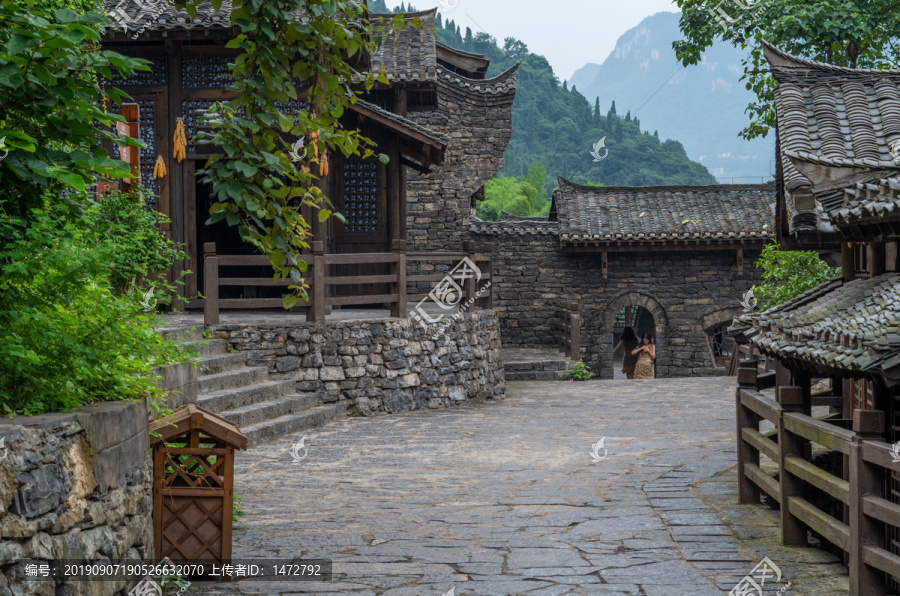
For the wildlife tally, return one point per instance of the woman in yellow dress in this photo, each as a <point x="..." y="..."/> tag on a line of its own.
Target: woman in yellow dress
<point x="646" y="354"/>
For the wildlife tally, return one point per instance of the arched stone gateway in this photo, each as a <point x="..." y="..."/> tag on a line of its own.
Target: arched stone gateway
<point x="598" y="326"/>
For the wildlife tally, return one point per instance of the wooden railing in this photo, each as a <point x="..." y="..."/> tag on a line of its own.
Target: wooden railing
<point x="570" y="331"/>
<point x="861" y="531"/>
<point x="319" y="278"/>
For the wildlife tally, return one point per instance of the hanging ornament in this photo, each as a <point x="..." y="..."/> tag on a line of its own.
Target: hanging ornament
<point x="323" y="165"/>
<point x="159" y="170"/>
<point x="179" y="139"/>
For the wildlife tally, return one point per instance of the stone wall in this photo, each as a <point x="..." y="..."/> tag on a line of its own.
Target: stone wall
<point x="385" y="365"/>
<point x="687" y="292"/>
<point x="477" y="116"/>
<point x="74" y="486"/>
<point x="180" y="381"/>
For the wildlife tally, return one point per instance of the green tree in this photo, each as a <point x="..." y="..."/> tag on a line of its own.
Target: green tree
<point x="841" y="32"/>
<point x="788" y="273"/>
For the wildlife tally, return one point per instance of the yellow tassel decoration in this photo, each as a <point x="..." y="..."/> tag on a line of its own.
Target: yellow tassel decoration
<point x="323" y="165"/>
<point x="159" y="170"/>
<point x="180" y="140"/>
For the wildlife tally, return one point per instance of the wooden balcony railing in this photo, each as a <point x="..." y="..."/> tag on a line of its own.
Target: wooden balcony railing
<point x="869" y="512"/>
<point x="570" y="331"/>
<point x="322" y="276"/>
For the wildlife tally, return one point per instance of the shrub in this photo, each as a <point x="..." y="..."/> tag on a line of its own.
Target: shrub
<point x="579" y="372"/>
<point x="72" y="330"/>
<point x="789" y="273"/>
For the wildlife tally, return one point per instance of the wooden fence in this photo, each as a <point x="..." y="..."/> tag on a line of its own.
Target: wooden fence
<point x="320" y="277"/>
<point x="869" y="462"/>
<point x="570" y="331"/>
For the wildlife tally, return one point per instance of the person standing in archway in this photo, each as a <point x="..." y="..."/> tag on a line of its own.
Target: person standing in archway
<point x="646" y="354"/>
<point x="628" y="342"/>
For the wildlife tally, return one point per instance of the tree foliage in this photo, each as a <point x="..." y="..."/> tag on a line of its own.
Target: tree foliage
<point x="51" y="104"/>
<point x="521" y="195"/>
<point x="254" y="180"/>
<point x="789" y="273"/>
<point x="842" y="32"/>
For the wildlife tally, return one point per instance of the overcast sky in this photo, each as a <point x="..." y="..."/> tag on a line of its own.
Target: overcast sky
<point x="569" y="33"/>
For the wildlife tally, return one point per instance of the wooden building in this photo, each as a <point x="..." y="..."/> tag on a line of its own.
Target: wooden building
<point x="189" y="73"/>
<point x="838" y="476"/>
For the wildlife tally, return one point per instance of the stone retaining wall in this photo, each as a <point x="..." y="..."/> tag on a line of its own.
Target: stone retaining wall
<point x="74" y="486"/>
<point x="687" y="292"/>
<point x="385" y="365"/>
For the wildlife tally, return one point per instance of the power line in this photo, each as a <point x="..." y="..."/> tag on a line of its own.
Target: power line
<point x="680" y="68"/>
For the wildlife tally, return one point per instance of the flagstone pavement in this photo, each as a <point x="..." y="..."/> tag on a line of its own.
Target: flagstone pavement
<point x="505" y="498"/>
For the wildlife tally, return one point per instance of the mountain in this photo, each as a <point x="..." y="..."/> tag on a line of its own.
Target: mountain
<point x="558" y="127"/>
<point x="702" y="106"/>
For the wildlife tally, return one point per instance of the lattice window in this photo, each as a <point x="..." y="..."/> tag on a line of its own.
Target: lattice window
<point x="148" y="154"/>
<point x="206" y="71"/>
<point x="721" y="343"/>
<point x="155" y="76"/>
<point x="361" y="196"/>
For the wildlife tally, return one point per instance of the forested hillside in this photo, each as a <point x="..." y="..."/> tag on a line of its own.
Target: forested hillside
<point x="558" y="127"/>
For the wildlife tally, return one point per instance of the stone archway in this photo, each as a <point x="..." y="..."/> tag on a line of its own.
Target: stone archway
<point x="597" y="333"/>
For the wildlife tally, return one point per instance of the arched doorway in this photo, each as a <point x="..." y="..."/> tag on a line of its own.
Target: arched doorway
<point x="633" y="316"/>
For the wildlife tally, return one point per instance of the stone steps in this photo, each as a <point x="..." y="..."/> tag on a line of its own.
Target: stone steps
<point x="551" y="369"/>
<point x="229" y="399"/>
<point x="292" y="423"/>
<point x="262" y="407"/>
<point x="269" y="410"/>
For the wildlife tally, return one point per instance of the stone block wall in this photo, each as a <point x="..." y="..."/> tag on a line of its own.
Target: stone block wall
<point x="180" y="381"/>
<point x="477" y="116"/>
<point x="74" y="486"/>
<point x="385" y="365"/>
<point x="687" y="292"/>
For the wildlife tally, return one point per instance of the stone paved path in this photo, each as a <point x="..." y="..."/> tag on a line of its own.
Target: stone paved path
<point x="504" y="498"/>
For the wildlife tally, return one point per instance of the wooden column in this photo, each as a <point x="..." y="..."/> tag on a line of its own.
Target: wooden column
<point x="604" y="264"/>
<point x="210" y="284"/>
<point x="748" y="492"/>
<point x="877" y="258"/>
<point x="848" y="268"/>
<point x="740" y="262"/>
<point x="398" y="309"/>
<point x="866" y="480"/>
<point x="393" y="191"/>
<point x="793" y="531"/>
<point x="316" y="310"/>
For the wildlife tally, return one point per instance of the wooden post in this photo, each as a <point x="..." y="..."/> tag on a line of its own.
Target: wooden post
<point x="210" y="284"/>
<point x="878" y="260"/>
<point x="469" y="287"/>
<point x="604" y="264"/>
<point x="316" y="310"/>
<point x="748" y="492"/>
<point x="848" y="266"/>
<point x="793" y="532"/>
<point x="740" y="262"/>
<point x="866" y="480"/>
<point x="747" y="373"/>
<point x="132" y="155"/>
<point x="398" y="308"/>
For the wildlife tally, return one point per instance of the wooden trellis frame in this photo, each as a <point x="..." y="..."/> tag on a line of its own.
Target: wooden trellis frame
<point x="193" y="485"/>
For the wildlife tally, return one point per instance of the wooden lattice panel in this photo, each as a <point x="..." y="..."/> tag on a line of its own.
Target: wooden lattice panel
<point x="193" y="527"/>
<point x="361" y="196"/>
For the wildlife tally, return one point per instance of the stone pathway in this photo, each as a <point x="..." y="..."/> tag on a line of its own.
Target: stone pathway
<point x="505" y="498"/>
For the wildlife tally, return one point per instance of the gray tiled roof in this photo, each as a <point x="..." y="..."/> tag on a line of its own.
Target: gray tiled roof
<point x="851" y="327"/>
<point x="513" y="224"/>
<point x="503" y="83"/>
<point x="658" y="213"/>
<point x="877" y="199"/>
<point x="411" y="54"/>
<point x="832" y="122"/>
<point x="161" y="15"/>
<point x="405" y="122"/>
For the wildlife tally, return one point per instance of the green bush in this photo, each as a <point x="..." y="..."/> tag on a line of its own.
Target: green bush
<point x="789" y="273"/>
<point x="579" y="372"/>
<point x="73" y="326"/>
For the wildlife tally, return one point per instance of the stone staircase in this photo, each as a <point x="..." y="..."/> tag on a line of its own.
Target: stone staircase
<point x="262" y="408"/>
<point x="534" y="364"/>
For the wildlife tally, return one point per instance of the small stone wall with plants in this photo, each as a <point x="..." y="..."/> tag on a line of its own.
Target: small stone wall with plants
<point x="380" y="366"/>
<point x="74" y="486"/>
